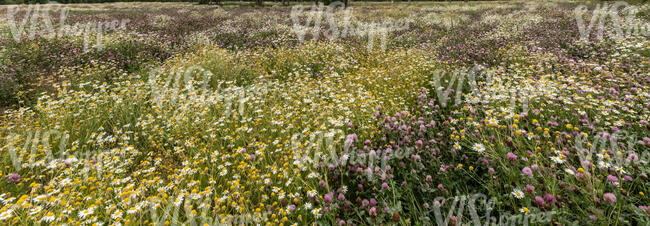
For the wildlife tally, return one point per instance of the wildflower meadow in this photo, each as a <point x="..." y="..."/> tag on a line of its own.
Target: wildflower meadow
<point x="325" y="113"/>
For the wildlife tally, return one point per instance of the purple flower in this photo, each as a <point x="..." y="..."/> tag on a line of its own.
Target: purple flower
<point x="612" y="178"/>
<point x="373" y="201"/>
<point x="540" y="201"/>
<point x="453" y="219"/>
<point x="328" y="197"/>
<point x="352" y="138"/>
<point x="373" y="211"/>
<point x="341" y="197"/>
<point x="530" y="189"/>
<point x="609" y="197"/>
<point x="632" y="158"/>
<point x="13" y="178"/>
<point x="415" y="157"/>
<point x="593" y="217"/>
<point x="511" y="157"/>
<point x="418" y="144"/>
<point x="550" y="199"/>
<point x="527" y="171"/>
<point x="384" y="186"/>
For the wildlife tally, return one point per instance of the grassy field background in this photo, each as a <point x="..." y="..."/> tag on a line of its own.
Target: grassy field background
<point x="141" y="113"/>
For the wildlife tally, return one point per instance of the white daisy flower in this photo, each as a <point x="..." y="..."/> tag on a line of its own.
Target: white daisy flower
<point x="133" y="210"/>
<point x="35" y="210"/>
<point x="65" y="182"/>
<point x="478" y="148"/>
<point x="523" y="210"/>
<point x="602" y="164"/>
<point x="49" y="217"/>
<point x="517" y="194"/>
<point x="117" y="214"/>
<point x="569" y="171"/>
<point x="557" y="159"/>
<point x="40" y="198"/>
<point x="316" y="212"/>
<point x="620" y="170"/>
<point x="5" y="215"/>
<point x="86" y="212"/>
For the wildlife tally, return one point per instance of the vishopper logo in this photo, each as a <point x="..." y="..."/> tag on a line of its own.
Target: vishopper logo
<point x="319" y="17"/>
<point x="616" y="20"/>
<point x="479" y="215"/>
<point x="180" y="86"/>
<point x="319" y="144"/>
<point x="35" y="143"/>
<point x="469" y="78"/>
<point x="320" y="149"/>
<point x="181" y="209"/>
<point x="615" y="150"/>
<point x="40" y="22"/>
<point x="48" y="150"/>
<point x="457" y="77"/>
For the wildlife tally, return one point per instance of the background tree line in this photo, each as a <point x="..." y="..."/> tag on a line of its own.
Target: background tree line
<point x="259" y="2"/>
